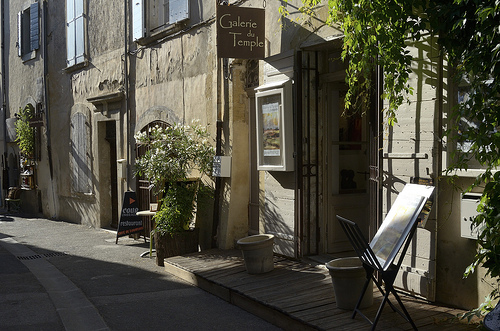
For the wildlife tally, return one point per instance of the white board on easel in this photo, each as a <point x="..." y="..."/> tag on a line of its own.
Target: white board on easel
<point x="398" y="223"/>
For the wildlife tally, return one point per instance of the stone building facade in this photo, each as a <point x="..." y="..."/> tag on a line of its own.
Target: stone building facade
<point x="96" y="72"/>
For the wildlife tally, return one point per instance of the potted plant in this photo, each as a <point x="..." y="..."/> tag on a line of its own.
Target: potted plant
<point x="25" y="138"/>
<point x="176" y="160"/>
<point x="24" y="132"/>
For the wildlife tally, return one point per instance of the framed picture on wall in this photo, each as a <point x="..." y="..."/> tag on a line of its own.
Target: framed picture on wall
<point x="274" y="126"/>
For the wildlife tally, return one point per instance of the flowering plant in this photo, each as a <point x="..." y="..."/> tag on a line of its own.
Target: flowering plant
<point x="174" y="156"/>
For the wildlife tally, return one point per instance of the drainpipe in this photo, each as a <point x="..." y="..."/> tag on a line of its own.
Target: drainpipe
<point x="4" y="97"/>
<point x="439" y="144"/>
<point x="218" y="138"/>
<point x="299" y="185"/>
<point x="45" y="85"/>
<point x="218" y="151"/>
<point x="46" y="105"/>
<point x="125" y="73"/>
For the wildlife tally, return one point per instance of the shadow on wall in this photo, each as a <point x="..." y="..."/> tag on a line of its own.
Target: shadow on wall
<point x="204" y="215"/>
<point x="279" y="213"/>
<point x="79" y="209"/>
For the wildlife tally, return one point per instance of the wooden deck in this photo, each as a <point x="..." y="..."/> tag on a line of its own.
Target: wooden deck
<point x="297" y="295"/>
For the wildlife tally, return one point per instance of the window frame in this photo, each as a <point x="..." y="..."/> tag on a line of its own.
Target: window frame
<point x="459" y="93"/>
<point x="143" y="29"/>
<point x="76" y="22"/>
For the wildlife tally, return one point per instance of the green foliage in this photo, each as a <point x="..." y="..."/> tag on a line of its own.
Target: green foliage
<point x="378" y="32"/>
<point x="177" y="208"/>
<point x="375" y="33"/>
<point x="470" y="33"/>
<point x="477" y="313"/>
<point x="173" y="156"/>
<point x="25" y="134"/>
<point x="488" y="221"/>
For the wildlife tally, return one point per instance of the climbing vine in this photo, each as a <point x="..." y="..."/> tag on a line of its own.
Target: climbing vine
<point x="468" y="32"/>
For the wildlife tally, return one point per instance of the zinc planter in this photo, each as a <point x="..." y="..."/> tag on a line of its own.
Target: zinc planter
<point x="257" y="253"/>
<point x="348" y="278"/>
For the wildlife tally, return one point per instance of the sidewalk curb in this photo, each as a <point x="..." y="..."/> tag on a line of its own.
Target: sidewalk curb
<point x="73" y="307"/>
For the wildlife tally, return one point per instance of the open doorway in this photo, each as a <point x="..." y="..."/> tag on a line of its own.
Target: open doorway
<point x="347" y="173"/>
<point x="338" y="168"/>
<point x="108" y="177"/>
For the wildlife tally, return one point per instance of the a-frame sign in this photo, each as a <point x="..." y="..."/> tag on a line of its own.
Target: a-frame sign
<point x="129" y="221"/>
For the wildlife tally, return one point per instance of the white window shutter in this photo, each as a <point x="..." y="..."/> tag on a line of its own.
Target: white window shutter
<point x="137" y="19"/>
<point x="34" y="28"/>
<point x="70" y="43"/>
<point x="75" y="32"/>
<point x="19" y="34"/>
<point x="70" y="33"/>
<point x="80" y="153"/>
<point x="79" y="31"/>
<point x="179" y="10"/>
<point x="79" y="39"/>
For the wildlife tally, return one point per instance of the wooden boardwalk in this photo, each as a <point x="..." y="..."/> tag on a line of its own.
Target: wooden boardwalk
<point x="298" y="296"/>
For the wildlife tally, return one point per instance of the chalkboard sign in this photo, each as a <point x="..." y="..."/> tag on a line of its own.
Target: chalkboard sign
<point x="129" y="221"/>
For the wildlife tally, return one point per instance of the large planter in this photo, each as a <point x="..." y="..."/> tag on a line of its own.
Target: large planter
<point x="348" y="278"/>
<point x="177" y="244"/>
<point x="257" y="253"/>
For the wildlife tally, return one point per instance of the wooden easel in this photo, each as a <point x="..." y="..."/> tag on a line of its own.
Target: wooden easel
<point x="380" y="255"/>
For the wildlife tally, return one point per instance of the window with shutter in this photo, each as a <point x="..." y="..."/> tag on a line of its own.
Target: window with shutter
<point x="152" y="17"/>
<point x="75" y="32"/>
<point x="80" y="153"/>
<point x="28" y="32"/>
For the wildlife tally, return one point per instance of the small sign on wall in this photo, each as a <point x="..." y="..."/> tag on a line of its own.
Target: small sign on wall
<point x="221" y="166"/>
<point x="240" y="32"/>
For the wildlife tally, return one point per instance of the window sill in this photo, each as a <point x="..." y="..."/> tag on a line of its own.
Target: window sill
<point x="28" y="56"/>
<point x="171" y="29"/>
<point x="76" y="67"/>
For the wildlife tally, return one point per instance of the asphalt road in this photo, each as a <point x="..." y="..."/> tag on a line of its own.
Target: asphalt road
<point x="61" y="276"/>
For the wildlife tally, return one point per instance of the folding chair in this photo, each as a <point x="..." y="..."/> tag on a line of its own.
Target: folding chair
<point x="380" y="254"/>
<point x="13" y="199"/>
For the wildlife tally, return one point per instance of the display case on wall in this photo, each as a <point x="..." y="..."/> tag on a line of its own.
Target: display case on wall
<point x="275" y="126"/>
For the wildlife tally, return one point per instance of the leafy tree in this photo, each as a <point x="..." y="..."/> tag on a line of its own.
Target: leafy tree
<point x="468" y="31"/>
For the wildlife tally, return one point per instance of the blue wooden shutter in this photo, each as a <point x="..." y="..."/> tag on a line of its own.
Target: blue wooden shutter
<point x="179" y="10"/>
<point x="137" y="19"/>
<point x="34" y="28"/>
